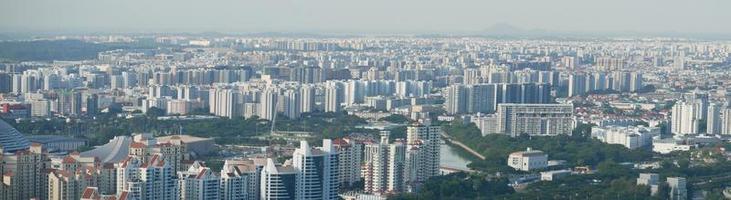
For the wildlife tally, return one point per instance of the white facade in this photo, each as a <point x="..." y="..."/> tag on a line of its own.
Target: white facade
<point x="528" y="160"/>
<point x="535" y="119"/>
<point x="268" y="104"/>
<point x="685" y="119"/>
<point x="422" y="154"/>
<point x="334" y="96"/>
<point x="631" y="137"/>
<point x="665" y="146"/>
<point x="154" y="179"/>
<point x="350" y="158"/>
<point x="384" y="166"/>
<point x="199" y="182"/>
<point x="291" y="104"/>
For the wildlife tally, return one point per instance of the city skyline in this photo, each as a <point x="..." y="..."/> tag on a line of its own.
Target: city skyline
<point x="364" y="100"/>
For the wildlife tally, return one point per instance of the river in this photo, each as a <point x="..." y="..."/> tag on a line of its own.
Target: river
<point x="450" y="157"/>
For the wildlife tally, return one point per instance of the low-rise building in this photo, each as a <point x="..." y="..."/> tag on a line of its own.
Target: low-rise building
<point x="631" y="137"/>
<point x="667" y="145"/>
<point x="555" y="174"/>
<point x="57" y="143"/>
<point x="528" y="160"/>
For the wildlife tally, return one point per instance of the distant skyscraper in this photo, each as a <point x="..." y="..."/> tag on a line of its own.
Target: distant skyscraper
<point x="27" y="83"/>
<point x="291" y="100"/>
<point x="51" y="82"/>
<point x="116" y="82"/>
<point x="334" y="96"/>
<point x="225" y="102"/>
<point x="307" y="93"/>
<point x="471" y="76"/>
<point x="268" y="104"/>
<point x="700" y="100"/>
<point x="16" y="82"/>
<point x="726" y="124"/>
<point x="636" y="83"/>
<point x="577" y="84"/>
<point x="355" y="92"/>
<point x="481" y="98"/>
<point x="685" y="118"/>
<point x="456" y="99"/>
<point x="92" y="104"/>
<point x="6" y="82"/>
<point x="713" y="121"/>
<point x="129" y="79"/>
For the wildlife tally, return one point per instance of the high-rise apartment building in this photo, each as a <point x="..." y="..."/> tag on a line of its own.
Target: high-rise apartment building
<point x="713" y="119"/>
<point x="292" y="103"/>
<point x="268" y="104"/>
<point x="240" y="179"/>
<point x="24" y="174"/>
<point x="317" y="169"/>
<point x="350" y="157"/>
<point x="534" y="119"/>
<point x="334" y="96"/>
<point x="67" y="185"/>
<point x="199" y="182"/>
<point x="384" y="168"/>
<point x="278" y="182"/>
<point x="422" y="154"/>
<point x="150" y="179"/>
<point x="685" y="118"/>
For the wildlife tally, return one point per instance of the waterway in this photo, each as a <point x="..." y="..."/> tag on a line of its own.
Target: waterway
<point x="450" y="157"/>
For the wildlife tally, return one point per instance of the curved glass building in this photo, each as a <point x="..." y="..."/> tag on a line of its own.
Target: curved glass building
<point x="11" y="139"/>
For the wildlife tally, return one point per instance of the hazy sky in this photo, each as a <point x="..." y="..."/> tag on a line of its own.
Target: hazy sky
<point x="371" y="16"/>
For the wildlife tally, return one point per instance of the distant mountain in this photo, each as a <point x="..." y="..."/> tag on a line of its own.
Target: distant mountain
<point x="503" y="29"/>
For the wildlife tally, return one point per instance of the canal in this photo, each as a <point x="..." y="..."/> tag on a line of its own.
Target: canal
<point x="451" y="157"/>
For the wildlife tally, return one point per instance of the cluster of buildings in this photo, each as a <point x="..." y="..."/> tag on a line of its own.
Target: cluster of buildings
<point x="401" y="165"/>
<point x="696" y="108"/>
<point x="145" y="167"/>
<point x="619" y="81"/>
<point x="636" y="91"/>
<point x="530" y="119"/>
<point x="632" y="137"/>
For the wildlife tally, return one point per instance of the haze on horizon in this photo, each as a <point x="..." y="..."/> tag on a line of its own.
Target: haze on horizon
<point x="372" y="16"/>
